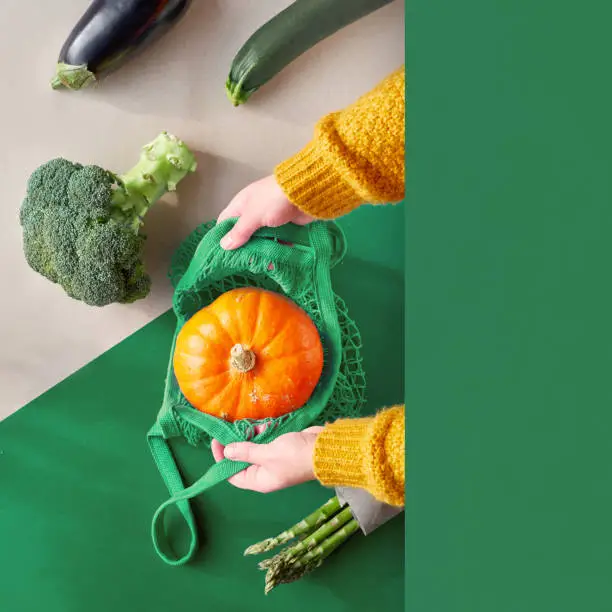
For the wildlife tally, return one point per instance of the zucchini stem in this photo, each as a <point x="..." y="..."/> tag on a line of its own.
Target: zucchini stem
<point x="236" y="93"/>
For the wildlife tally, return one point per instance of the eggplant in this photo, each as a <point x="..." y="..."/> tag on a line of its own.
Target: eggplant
<point x="109" y="33"/>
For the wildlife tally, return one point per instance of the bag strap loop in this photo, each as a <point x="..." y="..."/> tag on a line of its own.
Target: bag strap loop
<point x="180" y="496"/>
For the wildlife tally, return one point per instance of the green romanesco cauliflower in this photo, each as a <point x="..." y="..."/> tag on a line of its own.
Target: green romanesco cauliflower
<point x="82" y="224"/>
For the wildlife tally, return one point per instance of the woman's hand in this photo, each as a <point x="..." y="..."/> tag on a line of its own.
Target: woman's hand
<point x="261" y="204"/>
<point x="284" y="462"/>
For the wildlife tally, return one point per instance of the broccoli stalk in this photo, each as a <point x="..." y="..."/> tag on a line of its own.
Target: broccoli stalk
<point x="162" y="164"/>
<point x="82" y="224"/>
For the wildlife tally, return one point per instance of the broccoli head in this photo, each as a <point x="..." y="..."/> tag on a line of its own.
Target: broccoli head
<point x="82" y="224"/>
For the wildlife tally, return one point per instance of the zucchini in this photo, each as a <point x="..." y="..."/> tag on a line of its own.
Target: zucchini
<point x="287" y="36"/>
<point x="108" y="33"/>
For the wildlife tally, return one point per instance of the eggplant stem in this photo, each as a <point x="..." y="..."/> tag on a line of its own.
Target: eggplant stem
<point x="72" y="77"/>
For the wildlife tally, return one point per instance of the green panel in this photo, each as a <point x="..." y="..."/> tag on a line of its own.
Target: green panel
<point x="78" y="486"/>
<point x="509" y="248"/>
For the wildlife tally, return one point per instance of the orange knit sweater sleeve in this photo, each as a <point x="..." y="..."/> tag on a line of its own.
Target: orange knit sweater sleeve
<point x="356" y="156"/>
<point x="365" y="453"/>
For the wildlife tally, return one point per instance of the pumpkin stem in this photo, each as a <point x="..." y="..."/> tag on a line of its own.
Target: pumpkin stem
<point x="242" y="359"/>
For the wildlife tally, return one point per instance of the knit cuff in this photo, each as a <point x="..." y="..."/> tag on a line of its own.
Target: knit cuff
<point x="315" y="186"/>
<point x="337" y="457"/>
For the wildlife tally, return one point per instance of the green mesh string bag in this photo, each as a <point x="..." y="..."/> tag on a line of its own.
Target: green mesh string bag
<point x="295" y="262"/>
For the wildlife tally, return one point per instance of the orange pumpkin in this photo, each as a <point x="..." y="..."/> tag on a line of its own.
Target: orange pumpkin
<point x="251" y="354"/>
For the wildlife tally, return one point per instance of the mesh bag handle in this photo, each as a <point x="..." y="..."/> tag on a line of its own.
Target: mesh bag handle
<point x="318" y="247"/>
<point x="289" y="235"/>
<point x="300" y="236"/>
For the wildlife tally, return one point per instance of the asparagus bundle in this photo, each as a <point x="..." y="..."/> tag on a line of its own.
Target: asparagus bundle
<point x="311" y="541"/>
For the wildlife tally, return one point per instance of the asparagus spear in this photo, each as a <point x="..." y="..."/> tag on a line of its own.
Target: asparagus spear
<point x="315" y="539"/>
<point x="304" y="527"/>
<point x="318" y="535"/>
<point x="328" y="546"/>
<point x="293" y="569"/>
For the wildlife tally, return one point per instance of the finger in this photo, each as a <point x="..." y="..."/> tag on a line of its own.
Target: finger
<point x="245" y="479"/>
<point x="217" y="450"/>
<point x="241" y="233"/>
<point x="227" y="213"/>
<point x="254" y="478"/>
<point x="249" y="452"/>
<point x="259" y="429"/>
<point x="233" y="209"/>
<point x="303" y="219"/>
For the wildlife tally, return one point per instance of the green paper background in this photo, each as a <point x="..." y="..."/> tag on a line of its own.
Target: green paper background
<point x="78" y="486"/>
<point x="509" y="304"/>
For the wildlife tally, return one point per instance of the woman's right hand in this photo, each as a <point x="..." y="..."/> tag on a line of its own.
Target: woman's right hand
<point x="282" y="463"/>
<point x="261" y="204"/>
